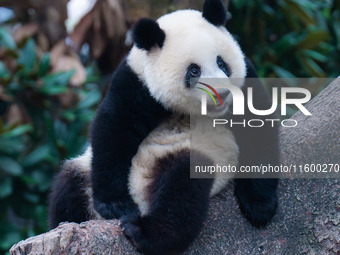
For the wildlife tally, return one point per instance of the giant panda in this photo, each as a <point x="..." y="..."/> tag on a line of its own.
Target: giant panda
<point x="136" y="168"/>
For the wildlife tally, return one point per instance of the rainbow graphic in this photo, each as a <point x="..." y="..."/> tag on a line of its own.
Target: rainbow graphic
<point x="213" y="90"/>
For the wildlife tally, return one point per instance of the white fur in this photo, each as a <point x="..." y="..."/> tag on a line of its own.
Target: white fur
<point x="216" y="143"/>
<point x="169" y="137"/>
<point x="83" y="162"/>
<point x="173" y="135"/>
<point x="189" y="39"/>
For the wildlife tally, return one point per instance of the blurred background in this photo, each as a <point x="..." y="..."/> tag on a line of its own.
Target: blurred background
<point x="57" y="57"/>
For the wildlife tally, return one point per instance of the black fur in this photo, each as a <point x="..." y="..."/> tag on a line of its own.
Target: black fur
<point x="223" y="66"/>
<point x="126" y="116"/>
<point x="68" y="201"/>
<point x="178" y="207"/>
<point x="257" y="197"/>
<point x="147" y="34"/>
<point x="215" y="12"/>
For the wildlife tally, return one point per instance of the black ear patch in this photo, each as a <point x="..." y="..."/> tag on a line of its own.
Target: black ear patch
<point x="215" y="12"/>
<point x="147" y="34"/>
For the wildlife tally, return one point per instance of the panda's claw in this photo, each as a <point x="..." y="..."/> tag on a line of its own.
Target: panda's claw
<point x="115" y="209"/>
<point x="130" y="218"/>
<point x="131" y="226"/>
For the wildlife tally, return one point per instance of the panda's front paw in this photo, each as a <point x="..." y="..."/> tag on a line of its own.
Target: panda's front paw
<point x="115" y="209"/>
<point x="131" y="225"/>
<point x="258" y="208"/>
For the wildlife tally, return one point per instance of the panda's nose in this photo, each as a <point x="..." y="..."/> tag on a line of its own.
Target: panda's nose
<point x="192" y="82"/>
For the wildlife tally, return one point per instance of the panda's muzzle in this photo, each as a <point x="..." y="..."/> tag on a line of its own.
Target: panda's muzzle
<point x="219" y="108"/>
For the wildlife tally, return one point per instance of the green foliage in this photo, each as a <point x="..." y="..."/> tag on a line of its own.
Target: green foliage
<point x="48" y="132"/>
<point x="6" y="40"/>
<point x="289" y="38"/>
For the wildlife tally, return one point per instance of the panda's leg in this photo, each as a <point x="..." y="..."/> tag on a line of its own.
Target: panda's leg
<point x="257" y="199"/>
<point x="178" y="208"/>
<point x="68" y="200"/>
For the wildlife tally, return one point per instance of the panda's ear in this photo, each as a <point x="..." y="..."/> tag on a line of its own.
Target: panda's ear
<point x="215" y="12"/>
<point x="147" y="34"/>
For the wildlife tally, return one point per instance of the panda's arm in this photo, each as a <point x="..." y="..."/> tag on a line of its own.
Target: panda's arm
<point x="126" y="116"/>
<point x="257" y="197"/>
<point x="257" y="145"/>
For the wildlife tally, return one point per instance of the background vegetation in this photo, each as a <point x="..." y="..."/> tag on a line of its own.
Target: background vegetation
<point x="48" y="93"/>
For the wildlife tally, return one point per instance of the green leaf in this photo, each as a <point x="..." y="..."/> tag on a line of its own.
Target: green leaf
<point x="2" y="126"/>
<point x="70" y="115"/>
<point x="59" y="79"/>
<point x="290" y="111"/>
<point x="285" y="43"/>
<point x="6" y="39"/>
<point x="86" y="116"/>
<point x="56" y="83"/>
<point x="303" y="14"/>
<point x="290" y="19"/>
<point x="44" y="65"/>
<point x="314" y="68"/>
<point x="91" y="98"/>
<point x="27" y="56"/>
<point x="315" y="55"/>
<point x="42" y="179"/>
<point x="313" y="39"/>
<point x="91" y="75"/>
<point x="239" y="4"/>
<point x="30" y="197"/>
<point x="337" y="33"/>
<point x="37" y="156"/>
<point x="10" y="166"/>
<point x="17" y="131"/>
<point x="56" y="90"/>
<point x="9" y="239"/>
<point x="283" y="73"/>
<point x="306" y="4"/>
<point x="28" y="180"/>
<point x="4" y="73"/>
<point x="6" y="187"/>
<point x="11" y="146"/>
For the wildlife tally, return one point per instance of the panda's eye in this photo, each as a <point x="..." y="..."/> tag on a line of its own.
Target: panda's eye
<point x="220" y="63"/>
<point x="193" y="73"/>
<point x="223" y="66"/>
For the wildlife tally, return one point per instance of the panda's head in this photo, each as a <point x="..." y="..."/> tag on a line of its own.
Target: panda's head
<point x="171" y="54"/>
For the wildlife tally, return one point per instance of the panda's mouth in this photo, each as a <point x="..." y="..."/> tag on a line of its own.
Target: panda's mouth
<point x="212" y="108"/>
<point x="219" y="99"/>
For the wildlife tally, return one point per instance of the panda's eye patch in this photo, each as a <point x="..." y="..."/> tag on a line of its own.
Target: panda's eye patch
<point x="194" y="71"/>
<point x="223" y="66"/>
<point x="220" y="62"/>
